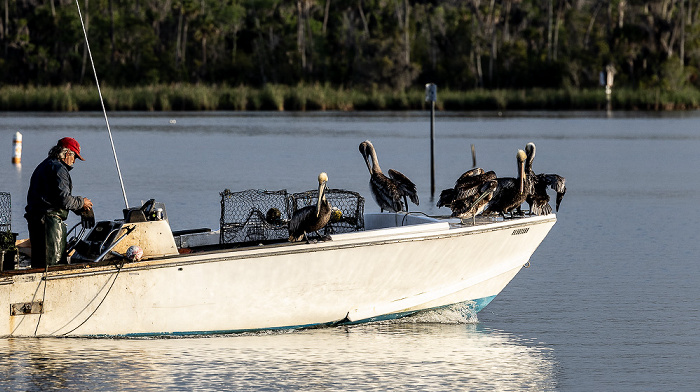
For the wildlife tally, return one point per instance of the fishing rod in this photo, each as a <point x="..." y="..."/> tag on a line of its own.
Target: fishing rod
<point x="114" y="151"/>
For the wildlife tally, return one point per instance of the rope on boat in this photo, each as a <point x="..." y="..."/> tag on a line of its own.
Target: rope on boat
<point x="119" y="269"/>
<point x="43" y="300"/>
<point x="116" y="275"/>
<point x="109" y="131"/>
<point x="43" y="296"/>
<point x="33" y="298"/>
<point x="416" y="213"/>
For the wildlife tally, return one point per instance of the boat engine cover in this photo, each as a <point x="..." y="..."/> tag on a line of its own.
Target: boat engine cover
<point x="154" y="237"/>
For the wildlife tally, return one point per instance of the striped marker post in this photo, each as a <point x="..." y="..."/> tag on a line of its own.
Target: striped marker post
<point x="17" y="144"/>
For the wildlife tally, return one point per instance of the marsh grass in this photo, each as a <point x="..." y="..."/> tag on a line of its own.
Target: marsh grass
<point x="195" y="97"/>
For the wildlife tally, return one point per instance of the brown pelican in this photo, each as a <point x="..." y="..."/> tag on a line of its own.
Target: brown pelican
<point x="472" y="191"/>
<point x="311" y="218"/>
<point x="510" y="193"/>
<point x="387" y="191"/>
<point x="538" y="199"/>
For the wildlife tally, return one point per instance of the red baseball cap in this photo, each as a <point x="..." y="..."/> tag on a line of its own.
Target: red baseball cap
<point x="71" y="144"/>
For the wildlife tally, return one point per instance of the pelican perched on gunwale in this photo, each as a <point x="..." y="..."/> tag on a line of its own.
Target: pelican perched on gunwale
<point x="510" y="192"/>
<point x="311" y="218"/>
<point x="538" y="199"/>
<point x="389" y="191"/>
<point x="471" y="193"/>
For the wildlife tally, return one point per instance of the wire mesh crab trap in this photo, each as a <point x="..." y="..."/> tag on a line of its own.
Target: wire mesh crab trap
<point x="347" y="207"/>
<point x="5" y="212"/>
<point x="253" y="215"/>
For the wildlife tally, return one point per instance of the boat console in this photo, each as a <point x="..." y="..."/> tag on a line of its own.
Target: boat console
<point x="146" y="227"/>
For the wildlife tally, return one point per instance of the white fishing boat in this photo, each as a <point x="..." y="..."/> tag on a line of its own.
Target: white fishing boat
<point x="187" y="283"/>
<point x="245" y="276"/>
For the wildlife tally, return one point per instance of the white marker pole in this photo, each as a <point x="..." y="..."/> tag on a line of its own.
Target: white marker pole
<point x="17" y="144"/>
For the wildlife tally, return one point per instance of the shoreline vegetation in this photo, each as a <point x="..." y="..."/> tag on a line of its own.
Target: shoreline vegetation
<point x="184" y="97"/>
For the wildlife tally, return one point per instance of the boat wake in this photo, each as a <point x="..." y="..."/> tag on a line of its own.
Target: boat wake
<point x="461" y="313"/>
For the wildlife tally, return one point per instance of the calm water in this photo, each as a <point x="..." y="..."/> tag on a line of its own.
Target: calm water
<point x="611" y="301"/>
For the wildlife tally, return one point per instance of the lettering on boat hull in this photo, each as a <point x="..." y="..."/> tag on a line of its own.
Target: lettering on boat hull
<point x="520" y="231"/>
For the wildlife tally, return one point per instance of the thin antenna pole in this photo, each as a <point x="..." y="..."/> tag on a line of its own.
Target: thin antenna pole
<point x="432" y="148"/>
<point x="111" y="141"/>
<point x="431" y="96"/>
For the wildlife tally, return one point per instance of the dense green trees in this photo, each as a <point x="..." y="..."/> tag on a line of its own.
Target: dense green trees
<point x="460" y="44"/>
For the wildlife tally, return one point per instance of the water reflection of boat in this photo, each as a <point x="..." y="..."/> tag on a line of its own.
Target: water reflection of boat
<point x="188" y="282"/>
<point x="377" y="356"/>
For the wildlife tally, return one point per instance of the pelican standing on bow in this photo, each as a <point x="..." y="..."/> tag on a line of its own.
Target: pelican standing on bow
<point x="538" y="199"/>
<point x="389" y="191"/>
<point x="510" y="192"/>
<point x="471" y="193"/>
<point x="311" y="218"/>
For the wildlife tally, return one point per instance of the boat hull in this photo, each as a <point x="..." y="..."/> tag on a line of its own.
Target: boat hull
<point x="356" y="277"/>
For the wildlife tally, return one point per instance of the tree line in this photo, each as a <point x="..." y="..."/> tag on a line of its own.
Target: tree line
<point x="394" y="44"/>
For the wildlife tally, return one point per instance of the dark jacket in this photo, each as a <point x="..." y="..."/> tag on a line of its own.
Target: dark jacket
<point x="50" y="188"/>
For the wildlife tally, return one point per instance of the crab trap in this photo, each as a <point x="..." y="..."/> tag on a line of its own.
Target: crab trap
<point x="5" y="212"/>
<point x="347" y="209"/>
<point x="253" y="215"/>
<point x="263" y="216"/>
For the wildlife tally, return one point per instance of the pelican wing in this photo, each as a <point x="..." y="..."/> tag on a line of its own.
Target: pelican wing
<point x="305" y="220"/>
<point x="466" y="192"/>
<point x="468" y="186"/>
<point x="474" y="205"/>
<point x="405" y="186"/>
<point x="537" y="197"/>
<point x="556" y="183"/>
<point x="386" y="193"/>
<point x="506" y="196"/>
<point x="447" y="196"/>
<point x="300" y="221"/>
<point x="540" y="206"/>
<point x="470" y="174"/>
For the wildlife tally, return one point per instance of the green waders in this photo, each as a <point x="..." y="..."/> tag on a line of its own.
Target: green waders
<point x="48" y="238"/>
<point x="55" y="236"/>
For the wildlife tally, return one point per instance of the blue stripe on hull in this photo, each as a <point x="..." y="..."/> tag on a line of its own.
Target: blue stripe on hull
<point x="472" y="305"/>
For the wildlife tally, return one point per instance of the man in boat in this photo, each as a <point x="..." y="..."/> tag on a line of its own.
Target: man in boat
<point x="48" y="201"/>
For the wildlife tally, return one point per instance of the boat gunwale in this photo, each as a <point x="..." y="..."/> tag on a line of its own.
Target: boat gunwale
<point x="250" y="252"/>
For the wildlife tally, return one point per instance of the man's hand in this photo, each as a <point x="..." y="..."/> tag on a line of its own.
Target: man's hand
<point x="87" y="204"/>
